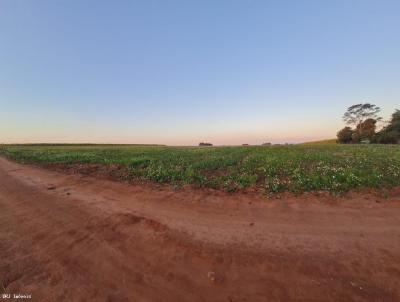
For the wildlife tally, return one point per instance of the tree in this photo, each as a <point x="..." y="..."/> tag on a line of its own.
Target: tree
<point x="355" y="137"/>
<point x="386" y="137"/>
<point x="366" y="130"/>
<point x="394" y="123"/>
<point x="357" y="114"/>
<point x="391" y="133"/>
<point x="345" y="135"/>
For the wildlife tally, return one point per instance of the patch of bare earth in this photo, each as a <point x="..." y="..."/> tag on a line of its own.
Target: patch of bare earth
<point x="71" y="237"/>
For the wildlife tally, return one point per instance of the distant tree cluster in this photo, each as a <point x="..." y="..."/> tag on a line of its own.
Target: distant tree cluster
<point x="390" y="134"/>
<point x="364" y="118"/>
<point x="205" y="144"/>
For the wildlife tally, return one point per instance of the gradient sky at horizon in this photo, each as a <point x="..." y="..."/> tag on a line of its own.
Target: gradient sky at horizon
<point x="180" y="72"/>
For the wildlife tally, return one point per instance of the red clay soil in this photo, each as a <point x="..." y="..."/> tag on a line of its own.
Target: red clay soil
<point x="79" y="238"/>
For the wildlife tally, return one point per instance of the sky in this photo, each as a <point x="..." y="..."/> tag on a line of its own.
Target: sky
<point x="180" y="72"/>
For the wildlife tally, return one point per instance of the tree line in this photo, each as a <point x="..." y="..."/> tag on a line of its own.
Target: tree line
<point x="364" y="118"/>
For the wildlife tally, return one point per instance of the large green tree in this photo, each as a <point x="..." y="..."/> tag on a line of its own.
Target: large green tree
<point x="394" y="123"/>
<point x="364" y="118"/>
<point x="391" y="133"/>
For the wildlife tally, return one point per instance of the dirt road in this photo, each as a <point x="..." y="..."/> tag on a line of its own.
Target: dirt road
<point x="77" y="238"/>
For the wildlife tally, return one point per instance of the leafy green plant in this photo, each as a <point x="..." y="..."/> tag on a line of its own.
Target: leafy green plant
<point x="296" y="168"/>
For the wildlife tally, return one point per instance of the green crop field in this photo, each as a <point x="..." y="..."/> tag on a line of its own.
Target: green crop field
<point x="294" y="168"/>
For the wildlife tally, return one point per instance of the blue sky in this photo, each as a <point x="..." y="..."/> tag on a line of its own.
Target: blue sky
<point x="180" y="72"/>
